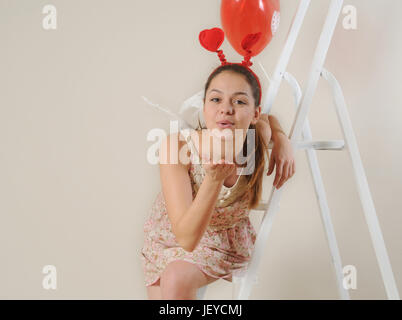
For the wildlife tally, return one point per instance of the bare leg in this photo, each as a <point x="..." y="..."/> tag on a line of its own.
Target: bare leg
<point x="181" y="279"/>
<point x="154" y="291"/>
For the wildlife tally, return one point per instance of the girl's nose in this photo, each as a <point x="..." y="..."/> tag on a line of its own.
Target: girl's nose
<point x="227" y="108"/>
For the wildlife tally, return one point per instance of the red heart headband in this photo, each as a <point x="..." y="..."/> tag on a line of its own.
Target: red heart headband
<point x="212" y="39"/>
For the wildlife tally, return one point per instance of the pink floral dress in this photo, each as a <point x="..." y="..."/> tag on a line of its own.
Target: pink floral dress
<point x="227" y="243"/>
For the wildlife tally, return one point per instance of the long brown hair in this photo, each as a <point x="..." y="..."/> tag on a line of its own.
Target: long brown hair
<point x="254" y="181"/>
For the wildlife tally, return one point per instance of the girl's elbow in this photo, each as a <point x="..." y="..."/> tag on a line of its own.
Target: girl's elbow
<point x="189" y="247"/>
<point x="184" y="242"/>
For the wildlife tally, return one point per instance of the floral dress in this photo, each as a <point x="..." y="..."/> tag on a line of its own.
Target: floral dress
<point x="227" y="243"/>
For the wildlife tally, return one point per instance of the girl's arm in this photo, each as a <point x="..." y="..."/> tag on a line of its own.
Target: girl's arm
<point x="275" y="128"/>
<point x="264" y="127"/>
<point x="189" y="218"/>
<point x="282" y="154"/>
<point x="193" y="223"/>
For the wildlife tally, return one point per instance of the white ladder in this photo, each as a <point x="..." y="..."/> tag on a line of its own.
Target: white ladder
<point x="301" y="126"/>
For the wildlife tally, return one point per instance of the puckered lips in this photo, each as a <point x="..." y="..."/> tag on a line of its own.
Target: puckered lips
<point x="225" y="124"/>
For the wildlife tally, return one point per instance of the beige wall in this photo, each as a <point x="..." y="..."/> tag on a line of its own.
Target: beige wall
<point x="75" y="184"/>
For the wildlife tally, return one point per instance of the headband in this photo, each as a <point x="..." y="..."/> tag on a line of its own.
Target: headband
<point x="212" y="39"/>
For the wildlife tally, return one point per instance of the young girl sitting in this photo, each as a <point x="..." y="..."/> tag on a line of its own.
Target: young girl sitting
<point x="198" y="229"/>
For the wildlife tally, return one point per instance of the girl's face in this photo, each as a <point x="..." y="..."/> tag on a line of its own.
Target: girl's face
<point x="229" y="98"/>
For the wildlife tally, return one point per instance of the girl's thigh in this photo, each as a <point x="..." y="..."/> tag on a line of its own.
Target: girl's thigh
<point x="182" y="270"/>
<point x="154" y="291"/>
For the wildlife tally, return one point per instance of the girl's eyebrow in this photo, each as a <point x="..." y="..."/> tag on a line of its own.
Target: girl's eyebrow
<point x="238" y="92"/>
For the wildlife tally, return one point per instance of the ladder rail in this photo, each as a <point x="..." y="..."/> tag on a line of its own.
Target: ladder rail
<point x="322" y="199"/>
<point x="363" y="188"/>
<point x="274" y="198"/>
<point x="285" y="55"/>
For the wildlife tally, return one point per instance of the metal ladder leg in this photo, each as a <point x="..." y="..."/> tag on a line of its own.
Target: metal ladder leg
<point x="201" y="292"/>
<point x="321" y="196"/>
<point x="363" y="188"/>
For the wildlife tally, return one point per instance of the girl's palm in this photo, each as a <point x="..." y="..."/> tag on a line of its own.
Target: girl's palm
<point x="218" y="171"/>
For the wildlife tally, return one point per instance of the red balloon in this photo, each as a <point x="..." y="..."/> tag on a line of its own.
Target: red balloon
<point x="249" y="25"/>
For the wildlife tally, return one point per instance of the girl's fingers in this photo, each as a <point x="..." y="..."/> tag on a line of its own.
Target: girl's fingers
<point x="285" y="175"/>
<point x="278" y="185"/>
<point x="278" y="172"/>
<point x="292" y="171"/>
<point x="205" y="159"/>
<point x="271" y="164"/>
<point x="288" y="174"/>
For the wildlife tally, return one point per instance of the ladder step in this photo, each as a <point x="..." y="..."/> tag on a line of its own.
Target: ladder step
<point x="322" y="145"/>
<point x="318" y="145"/>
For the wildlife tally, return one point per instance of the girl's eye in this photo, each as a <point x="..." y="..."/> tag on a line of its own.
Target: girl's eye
<point x="241" y="102"/>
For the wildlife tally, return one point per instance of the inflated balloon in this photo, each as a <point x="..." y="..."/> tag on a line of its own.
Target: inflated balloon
<point x="249" y="25"/>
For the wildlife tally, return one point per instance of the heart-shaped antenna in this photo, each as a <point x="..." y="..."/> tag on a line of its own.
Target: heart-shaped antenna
<point x="212" y="39"/>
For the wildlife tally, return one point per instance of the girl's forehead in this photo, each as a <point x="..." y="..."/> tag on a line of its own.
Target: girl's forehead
<point x="229" y="82"/>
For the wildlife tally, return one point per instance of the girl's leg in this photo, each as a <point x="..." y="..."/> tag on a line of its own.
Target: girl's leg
<point x="154" y="291"/>
<point x="181" y="280"/>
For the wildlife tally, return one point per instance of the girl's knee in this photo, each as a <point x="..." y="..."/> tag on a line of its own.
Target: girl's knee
<point x="154" y="290"/>
<point x="179" y="280"/>
<point x="178" y="273"/>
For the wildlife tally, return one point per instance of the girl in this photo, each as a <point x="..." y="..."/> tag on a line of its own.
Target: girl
<point x="198" y="230"/>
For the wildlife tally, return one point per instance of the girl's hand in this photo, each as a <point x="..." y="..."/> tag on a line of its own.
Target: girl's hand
<point x="282" y="157"/>
<point x="218" y="171"/>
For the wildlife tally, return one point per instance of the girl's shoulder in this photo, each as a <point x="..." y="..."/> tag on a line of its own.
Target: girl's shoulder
<point x="174" y="145"/>
<point x="187" y="142"/>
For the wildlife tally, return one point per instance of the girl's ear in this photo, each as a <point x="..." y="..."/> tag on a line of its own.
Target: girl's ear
<point x="257" y="113"/>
